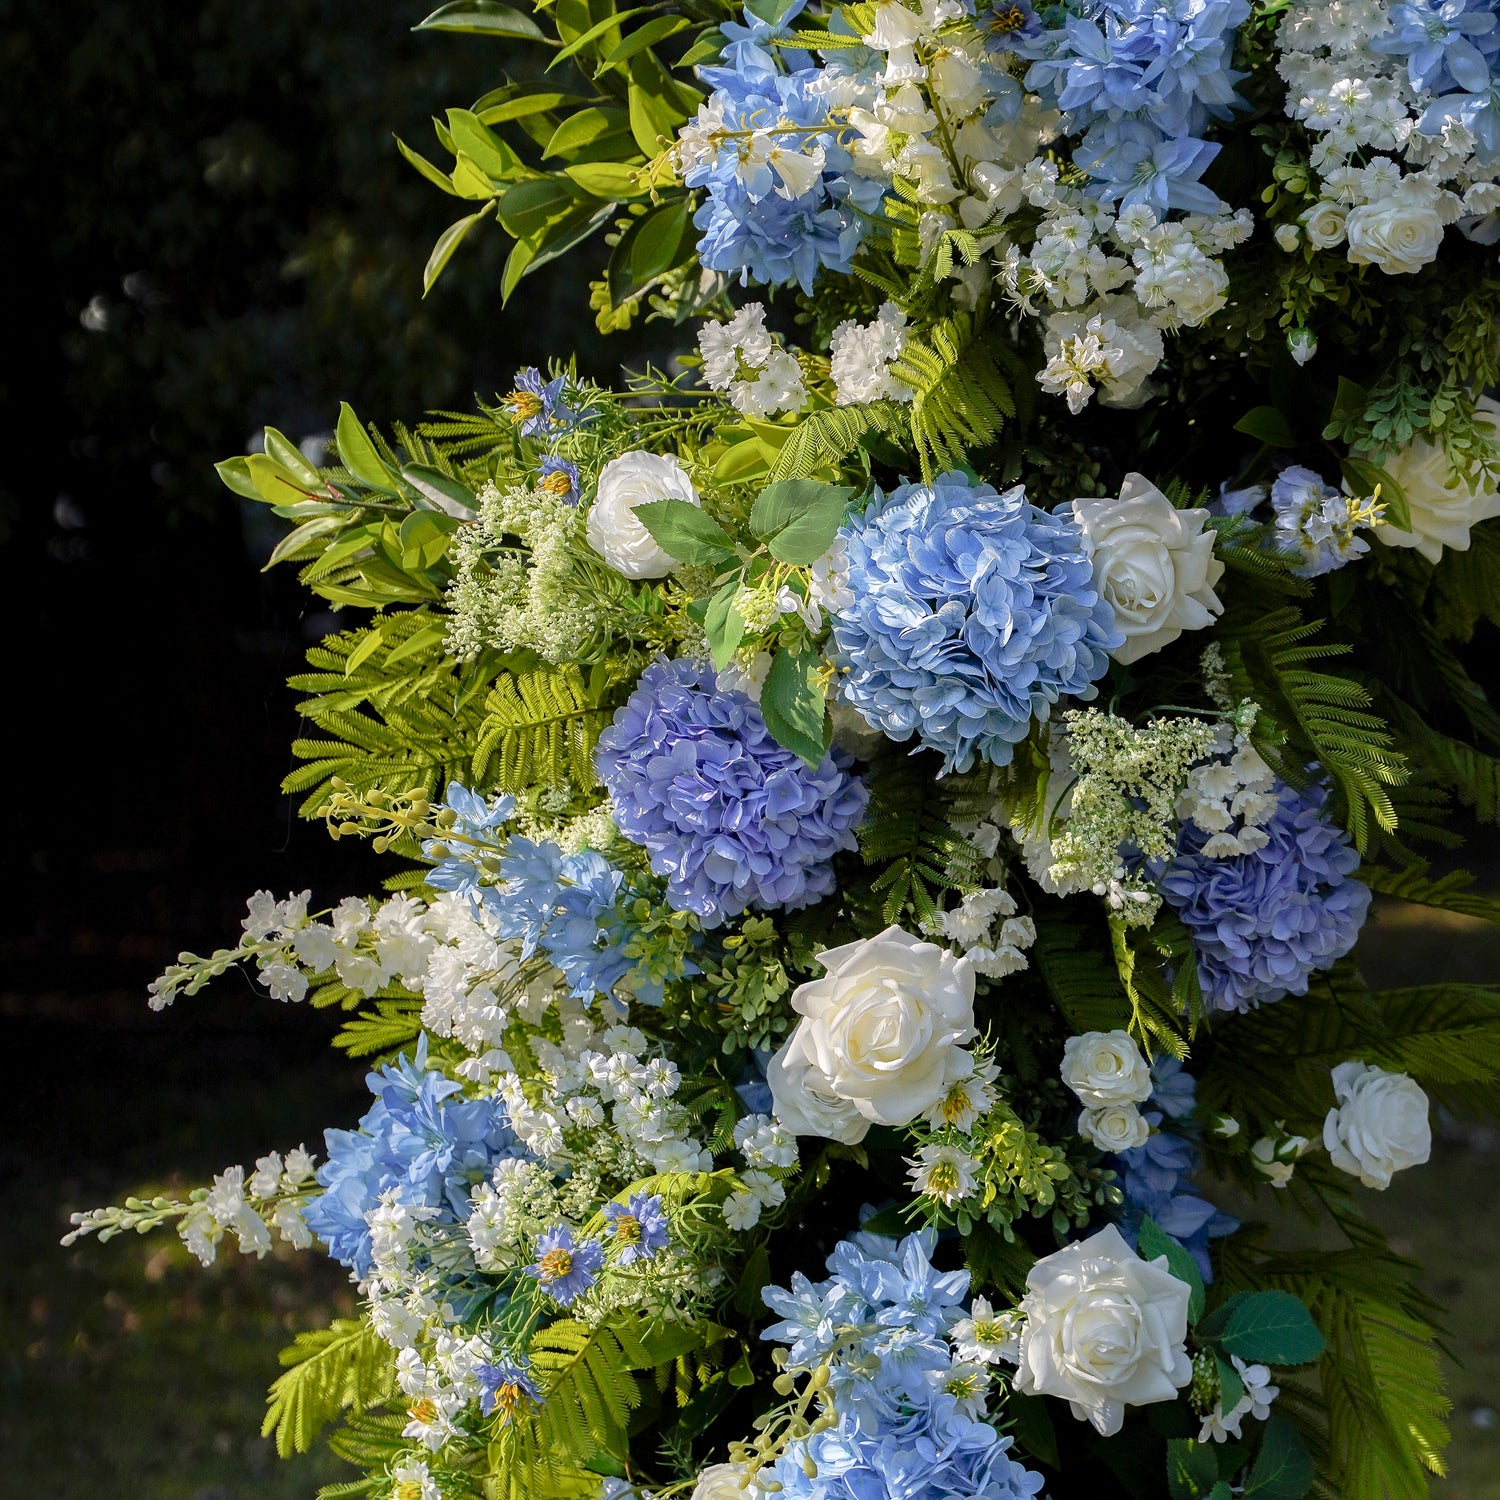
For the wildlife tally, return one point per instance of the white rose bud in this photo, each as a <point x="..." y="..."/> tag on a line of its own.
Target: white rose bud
<point x="1155" y="565"/>
<point x="1443" y="507"/>
<point x="1104" y="1330"/>
<point x="1106" y="1067"/>
<point x="1302" y="344"/>
<point x="1114" y="1127"/>
<point x="1276" y="1157"/>
<point x="1324" y="224"/>
<point x="613" y="529"/>
<point x="1225" y="1125"/>
<point x="884" y="1031"/>
<point x="1288" y="236"/>
<point x="1400" y="233"/>
<point x="1380" y="1126"/>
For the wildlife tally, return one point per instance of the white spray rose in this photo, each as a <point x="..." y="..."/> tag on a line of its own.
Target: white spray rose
<point x="1443" y="507"/>
<point x="1114" y="1127"/>
<point x="1106" y="1067"/>
<point x="1380" y="1126"/>
<point x="1155" y="565"/>
<point x="1324" y="223"/>
<point x="1104" y="1330"/>
<point x="883" y="1031"/>
<point x="1399" y="233"/>
<point x="615" y="532"/>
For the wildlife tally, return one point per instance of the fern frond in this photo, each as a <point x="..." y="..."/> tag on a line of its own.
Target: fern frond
<point x="391" y="1026"/>
<point x="329" y="1370"/>
<point x="1083" y="980"/>
<point x="822" y="440"/>
<point x="1450" y="892"/>
<point x="540" y="729"/>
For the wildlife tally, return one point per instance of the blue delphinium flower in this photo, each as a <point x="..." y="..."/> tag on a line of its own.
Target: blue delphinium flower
<point x="505" y="1385"/>
<point x="1478" y="113"/>
<point x="474" y="817"/>
<point x="1156" y="1178"/>
<point x="417" y="1137"/>
<point x="1447" y="44"/>
<point x="537" y="405"/>
<point x="730" y="818"/>
<point x="1312" y="519"/>
<point x="1263" y="923"/>
<point x="778" y="208"/>
<point x="559" y="478"/>
<point x="1131" y="162"/>
<point x="910" y="1415"/>
<point x="973" y="613"/>
<point x="564" y="1269"/>
<point x="638" y="1226"/>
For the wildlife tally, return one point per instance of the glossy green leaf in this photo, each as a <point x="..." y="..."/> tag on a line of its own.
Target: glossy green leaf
<point x="517" y="101"/>
<point x="289" y="456"/>
<point x="472" y="136"/>
<point x="357" y="453"/>
<point x="449" y="241"/>
<point x="235" y="472"/>
<point x="743" y="463"/>
<point x="292" y="544"/>
<point x="611" y="180"/>
<point x="438" y="489"/>
<point x="433" y="174"/>
<point x="1155" y="1241"/>
<point x="1267" y="425"/>
<point x="483" y="18"/>
<point x="470" y="180"/>
<point x="528" y="208"/>
<point x="363" y="652"/>
<point x="586" y="128"/>
<point x="686" y="532"/>
<point x="598" y="29"/>
<point x="654" y="31"/>
<point x="723" y="625"/>
<point x="1192" y="1469"/>
<point x="273" y="482"/>
<point x="794" y="704"/>
<point x="651" y="246"/>
<point x="658" y="106"/>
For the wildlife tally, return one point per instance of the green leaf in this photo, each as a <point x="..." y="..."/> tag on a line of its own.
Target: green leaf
<point x="431" y="173"/>
<point x="235" y="472"/>
<point x="1155" y="1241"/>
<point x="1192" y="1469"/>
<point x="1283" y="1469"/>
<point x="483" y="18"/>
<point x="707" y="48"/>
<point x="1272" y="1328"/>
<point x="1363" y="477"/>
<point x="742" y="462"/>
<point x="489" y="153"/>
<point x="647" y="249"/>
<point x="793" y="703"/>
<point x="1221" y="1491"/>
<point x="274" y="482"/>
<point x="597" y="126"/>
<point x="519" y="101"/>
<point x="530" y="208"/>
<point x="609" y="23"/>
<point x="295" y="541"/>
<point x="723" y="624"/>
<point x="289" y="456"/>
<point x="357" y="453"/>
<point x="449" y="241"/>
<point x="1268" y="425"/>
<point x="424" y="538"/>
<point x="656" y="105"/>
<point x="372" y="642"/>
<point x="1231" y="1387"/>
<point x="611" y="180"/>
<point x="799" y="518"/>
<point x="440" y="490"/>
<point x="646" y="36"/>
<point x="686" y="531"/>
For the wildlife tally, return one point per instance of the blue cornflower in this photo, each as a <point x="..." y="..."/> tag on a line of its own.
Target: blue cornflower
<point x="459" y="867"/>
<point x="638" y="1226"/>
<point x="1134" y="163"/>
<point x="564" y="1269"/>
<point x="730" y="818"/>
<point x="558" y="478"/>
<point x="537" y="405"/>
<point x="1007" y="25"/>
<point x="1263" y="923"/>
<point x="973" y="613"/>
<point x="505" y="1386"/>
<point x="421" y="1137"/>
<point x="1447" y="44"/>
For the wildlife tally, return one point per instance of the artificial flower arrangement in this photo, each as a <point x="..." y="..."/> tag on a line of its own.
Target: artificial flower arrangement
<point x="882" y="818"/>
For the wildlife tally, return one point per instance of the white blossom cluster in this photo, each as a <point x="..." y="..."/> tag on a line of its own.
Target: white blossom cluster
<point x="862" y="355"/>
<point x="1358" y="99"/>
<point x="1255" y="1402"/>
<point x="948" y="1168"/>
<point x="742" y="359"/>
<point x="1230" y="797"/>
<point x="971" y="925"/>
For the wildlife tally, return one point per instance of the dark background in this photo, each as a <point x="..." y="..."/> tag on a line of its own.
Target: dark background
<point x="209" y="230"/>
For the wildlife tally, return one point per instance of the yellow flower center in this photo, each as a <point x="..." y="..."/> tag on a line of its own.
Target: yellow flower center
<point x="963" y="1386"/>
<point x="523" y="405"/>
<point x="557" y="483"/>
<point x="555" y="1264"/>
<point x="422" y="1411"/>
<point x="628" y="1229"/>
<point x="507" y="1398"/>
<point x="1004" y="19"/>
<point x="407" y="1489"/>
<point x="943" y="1178"/>
<point x="956" y="1105"/>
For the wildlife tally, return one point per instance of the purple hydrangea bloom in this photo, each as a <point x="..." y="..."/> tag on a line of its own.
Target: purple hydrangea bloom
<point x="1263" y="922"/>
<point x="973" y="613"/>
<point x="564" y="1269"/>
<point x="639" y="1226"/>
<point x="730" y="818"/>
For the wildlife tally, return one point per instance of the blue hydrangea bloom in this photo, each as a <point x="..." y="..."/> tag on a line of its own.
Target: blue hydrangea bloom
<point x="973" y="613"/>
<point x="910" y="1425"/>
<point x="1447" y="44"/>
<point x="537" y="405"/>
<point x="730" y="818"/>
<point x="564" y="1269"/>
<point x="1263" y="923"/>
<point x="638" y="1226"/>
<point x="756" y="220"/>
<point x="1156" y="1177"/>
<point x="417" y="1137"/>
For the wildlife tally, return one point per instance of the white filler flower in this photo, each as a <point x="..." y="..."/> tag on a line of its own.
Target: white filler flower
<point x="615" y="532"/>
<point x="1155" y="565"/>
<point x="883" y="1031"/>
<point x="1380" y="1126"/>
<point x="1104" y="1330"/>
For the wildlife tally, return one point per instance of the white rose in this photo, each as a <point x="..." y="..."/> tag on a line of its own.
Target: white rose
<point x="1106" y="1067"/>
<point x="883" y="1031"/>
<point x="1324" y="223"/>
<point x="1380" y="1126"/>
<point x="803" y="1103"/>
<point x="1155" y="565"/>
<point x="613" y="529"/>
<point x="1114" y="1127"/>
<point x="1104" y="1330"/>
<point x="1400" y="233"/>
<point x="725" y="1482"/>
<point x="1443" y="508"/>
